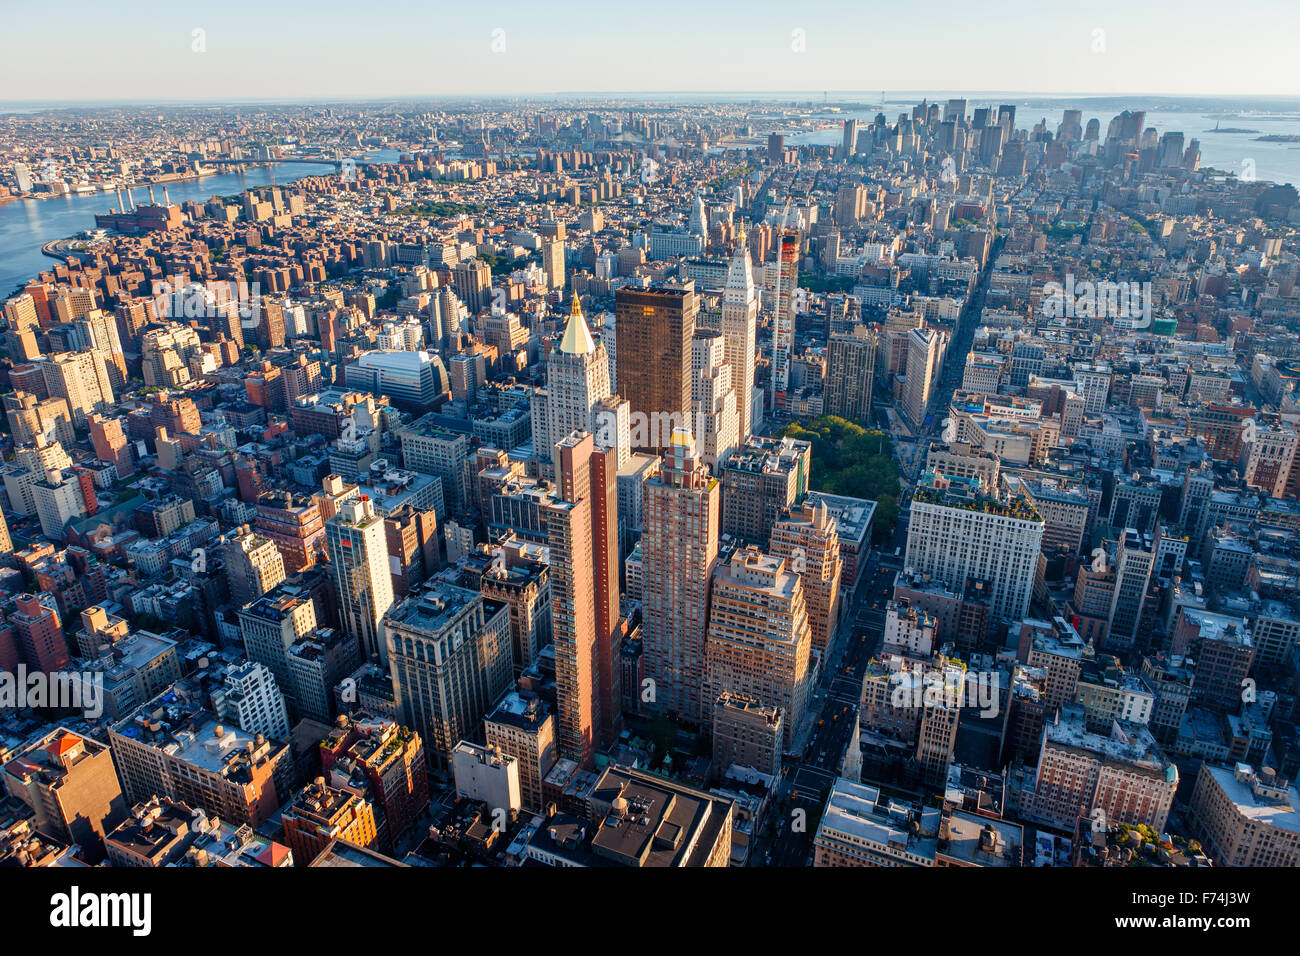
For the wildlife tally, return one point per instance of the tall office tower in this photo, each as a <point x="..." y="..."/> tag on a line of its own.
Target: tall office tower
<point x="577" y="383"/>
<point x="72" y="304"/>
<point x="71" y="786"/>
<point x="1133" y="563"/>
<point x="553" y="262"/>
<point x="758" y="640"/>
<point x="522" y="581"/>
<point x="922" y="357"/>
<point x="775" y="148"/>
<point x="740" y="327"/>
<point x="787" y="285"/>
<point x="809" y="541"/>
<point x="30" y="416"/>
<point x="680" y="549"/>
<point x="252" y="701"/>
<point x="936" y="738"/>
<point x="961" y="530"/>
<point x="40" y="634"/>
<point x="274" y="623"/>
<point x="62" y="497"/>
<point x="609" y="339"/>
<point x="850" y="145"/>
<point x="473" y="283"/>
<point x="253" y="565"/>
<point x="585" y="473"/>
<point x="850" y="202"/>
<point x="573" y="605"/>
<point x="991" y="140"/>
<point x="449" y="655"/>
<point x="81" y="379"/>
<point x="698" y="224"/>
<point x="1270" y="456"/>
<point x="605" y="565"/>
<point x="715" y="422"/>
<point x="850" y="374"/>
<point x="110" y="443"/>
<point x="1123" y="773"/>
<point x="1007" y="118"/>
<point x="430" y="448"/>
<point x="1071" y="127"/>
<point x="359" y="552"/>
<point x="656" y="326"/>
<point x="21" y="312"/>
<point x="1246" y="817"/>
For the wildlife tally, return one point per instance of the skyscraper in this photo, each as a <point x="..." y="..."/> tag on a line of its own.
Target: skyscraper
<point x="699" y="221"/>
<point x="654" y="328"/>
<point x="449" y="654"/>
<point x="922" y="357"/>
<point x="758" y="640"/>
<point x="359" y="553"/>
<point x="680" y="549"/>
<point x="787" y="284"/>
<point x="585" y="661"/>
<point x="810" y="543"/>
<point x="553" y="262"/>
<point x="740" y="328"/>
<point x="850" y="137"/>
<point x="573" y="606"/>
<point x="850" y="374"/>
<point x="40" y="633"/>
<point x="715" y="422"/>
<point x="1133" y="562"/>
<point x="577" y="383"/>
<point x="253" y="565"/>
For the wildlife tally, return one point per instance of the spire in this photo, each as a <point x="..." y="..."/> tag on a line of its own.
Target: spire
<point x="699" y="224"/>
<point x="577" y="338"/>
<point x="740" y="274"/>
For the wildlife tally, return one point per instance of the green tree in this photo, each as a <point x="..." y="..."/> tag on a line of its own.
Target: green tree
<point x="850" y="460"/>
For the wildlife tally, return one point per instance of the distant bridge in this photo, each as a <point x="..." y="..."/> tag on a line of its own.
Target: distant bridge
<point x="301" y="161"/>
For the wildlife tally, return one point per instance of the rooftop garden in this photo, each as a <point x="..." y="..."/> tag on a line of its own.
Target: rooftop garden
<point x="1018" y="508"/>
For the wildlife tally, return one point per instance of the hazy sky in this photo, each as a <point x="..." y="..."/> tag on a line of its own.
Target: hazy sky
<point x="83" y="50"/>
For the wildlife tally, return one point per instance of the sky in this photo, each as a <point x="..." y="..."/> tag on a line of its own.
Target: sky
<point x="327" y="49"/>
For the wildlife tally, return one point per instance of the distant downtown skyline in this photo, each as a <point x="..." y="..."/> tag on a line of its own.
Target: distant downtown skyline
<point x="242" y="50"/>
